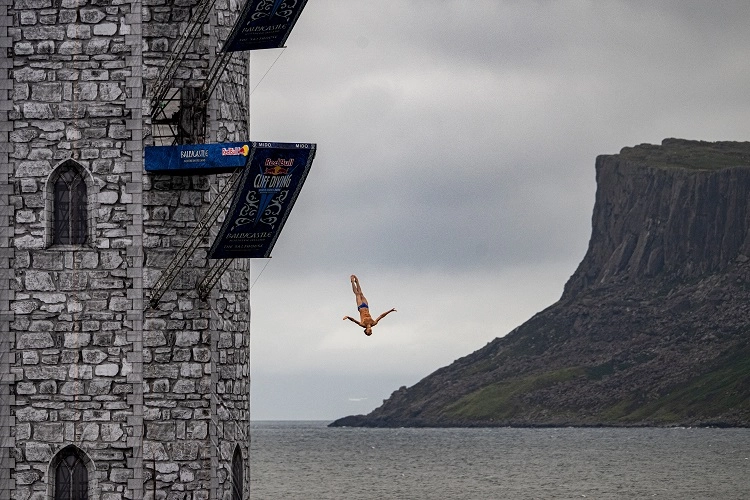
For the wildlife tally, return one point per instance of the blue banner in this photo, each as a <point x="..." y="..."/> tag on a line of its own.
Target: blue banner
<point x="267" y="191"/>
<point x="264" y="24"/>
<point x="193" y="159"/>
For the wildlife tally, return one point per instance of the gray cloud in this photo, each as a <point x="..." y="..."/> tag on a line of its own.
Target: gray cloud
<point x="455" y="170"/>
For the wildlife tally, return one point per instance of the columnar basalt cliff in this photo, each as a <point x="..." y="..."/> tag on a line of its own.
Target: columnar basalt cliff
<point x="651" y="329"/>
<point x="679" y="210"/>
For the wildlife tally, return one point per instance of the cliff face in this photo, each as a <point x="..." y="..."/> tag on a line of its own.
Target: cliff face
<point x="680" y="210"/>
<point x="652" y="327"/>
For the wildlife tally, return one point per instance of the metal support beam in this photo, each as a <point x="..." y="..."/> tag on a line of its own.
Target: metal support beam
<point x="214" y="274"/>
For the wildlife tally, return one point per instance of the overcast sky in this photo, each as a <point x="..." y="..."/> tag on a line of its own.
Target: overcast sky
<point x="455" y="170"/>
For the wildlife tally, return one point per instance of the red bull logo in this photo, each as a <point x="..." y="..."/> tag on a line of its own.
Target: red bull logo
<point x="237" y="151"/>
<point x="276" y="171"/>
<point x="277" y="167"/>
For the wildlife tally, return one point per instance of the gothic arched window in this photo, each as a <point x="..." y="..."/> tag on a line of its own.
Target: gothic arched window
<point x="70" y="203"/>
<point x="71" y="475"/>
<point x="237" y="474"/>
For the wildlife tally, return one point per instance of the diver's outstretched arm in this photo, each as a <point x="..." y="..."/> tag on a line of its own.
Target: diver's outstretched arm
<point x="354" y="320"/>
<point x="383" y="316"/>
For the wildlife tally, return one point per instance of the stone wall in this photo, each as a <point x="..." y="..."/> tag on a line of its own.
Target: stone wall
<point x="231" y="387"/>
<point x="133" y="197"/>
<point x="176" y="342"/>
<point x="229" y="113"/>
<point x="7" y="339"/>
<point x="70" y="324"/>
<point x="157" y="399"/>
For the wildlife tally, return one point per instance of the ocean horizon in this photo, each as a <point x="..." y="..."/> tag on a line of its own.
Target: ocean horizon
<point x="305" y="459"/>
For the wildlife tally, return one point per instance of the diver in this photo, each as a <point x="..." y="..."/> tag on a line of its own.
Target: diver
<point x="365" y="320"/>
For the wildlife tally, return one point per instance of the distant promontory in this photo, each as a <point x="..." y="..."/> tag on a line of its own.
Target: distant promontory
<point x="652" y="329"/>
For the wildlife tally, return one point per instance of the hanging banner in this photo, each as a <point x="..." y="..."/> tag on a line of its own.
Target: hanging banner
<point x="267" y="191"/>
<point x="264" y="24"/>
<point x="190" y="159"/>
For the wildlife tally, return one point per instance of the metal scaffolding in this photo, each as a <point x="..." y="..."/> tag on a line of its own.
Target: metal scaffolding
<point x="192" y="242"/>
<point x="178" y="118"/>
<point x="163" y="83"/>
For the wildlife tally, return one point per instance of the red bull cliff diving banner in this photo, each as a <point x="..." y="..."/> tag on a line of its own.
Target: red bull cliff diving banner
<point x="191" y="159"/>
<point x="264" y="24"/>
<point x="269" y="186"/>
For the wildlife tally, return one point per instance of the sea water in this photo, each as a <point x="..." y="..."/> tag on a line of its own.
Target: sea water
<point x="307" y="460"/>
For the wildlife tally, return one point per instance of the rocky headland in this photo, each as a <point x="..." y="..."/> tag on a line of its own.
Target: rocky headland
<point x="652" y="329"/>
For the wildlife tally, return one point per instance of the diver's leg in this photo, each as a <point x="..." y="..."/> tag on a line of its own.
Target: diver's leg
<point x="358" y="291"/>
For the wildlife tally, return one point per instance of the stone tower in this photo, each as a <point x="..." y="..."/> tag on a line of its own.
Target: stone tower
<point x="101" y="395"/>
